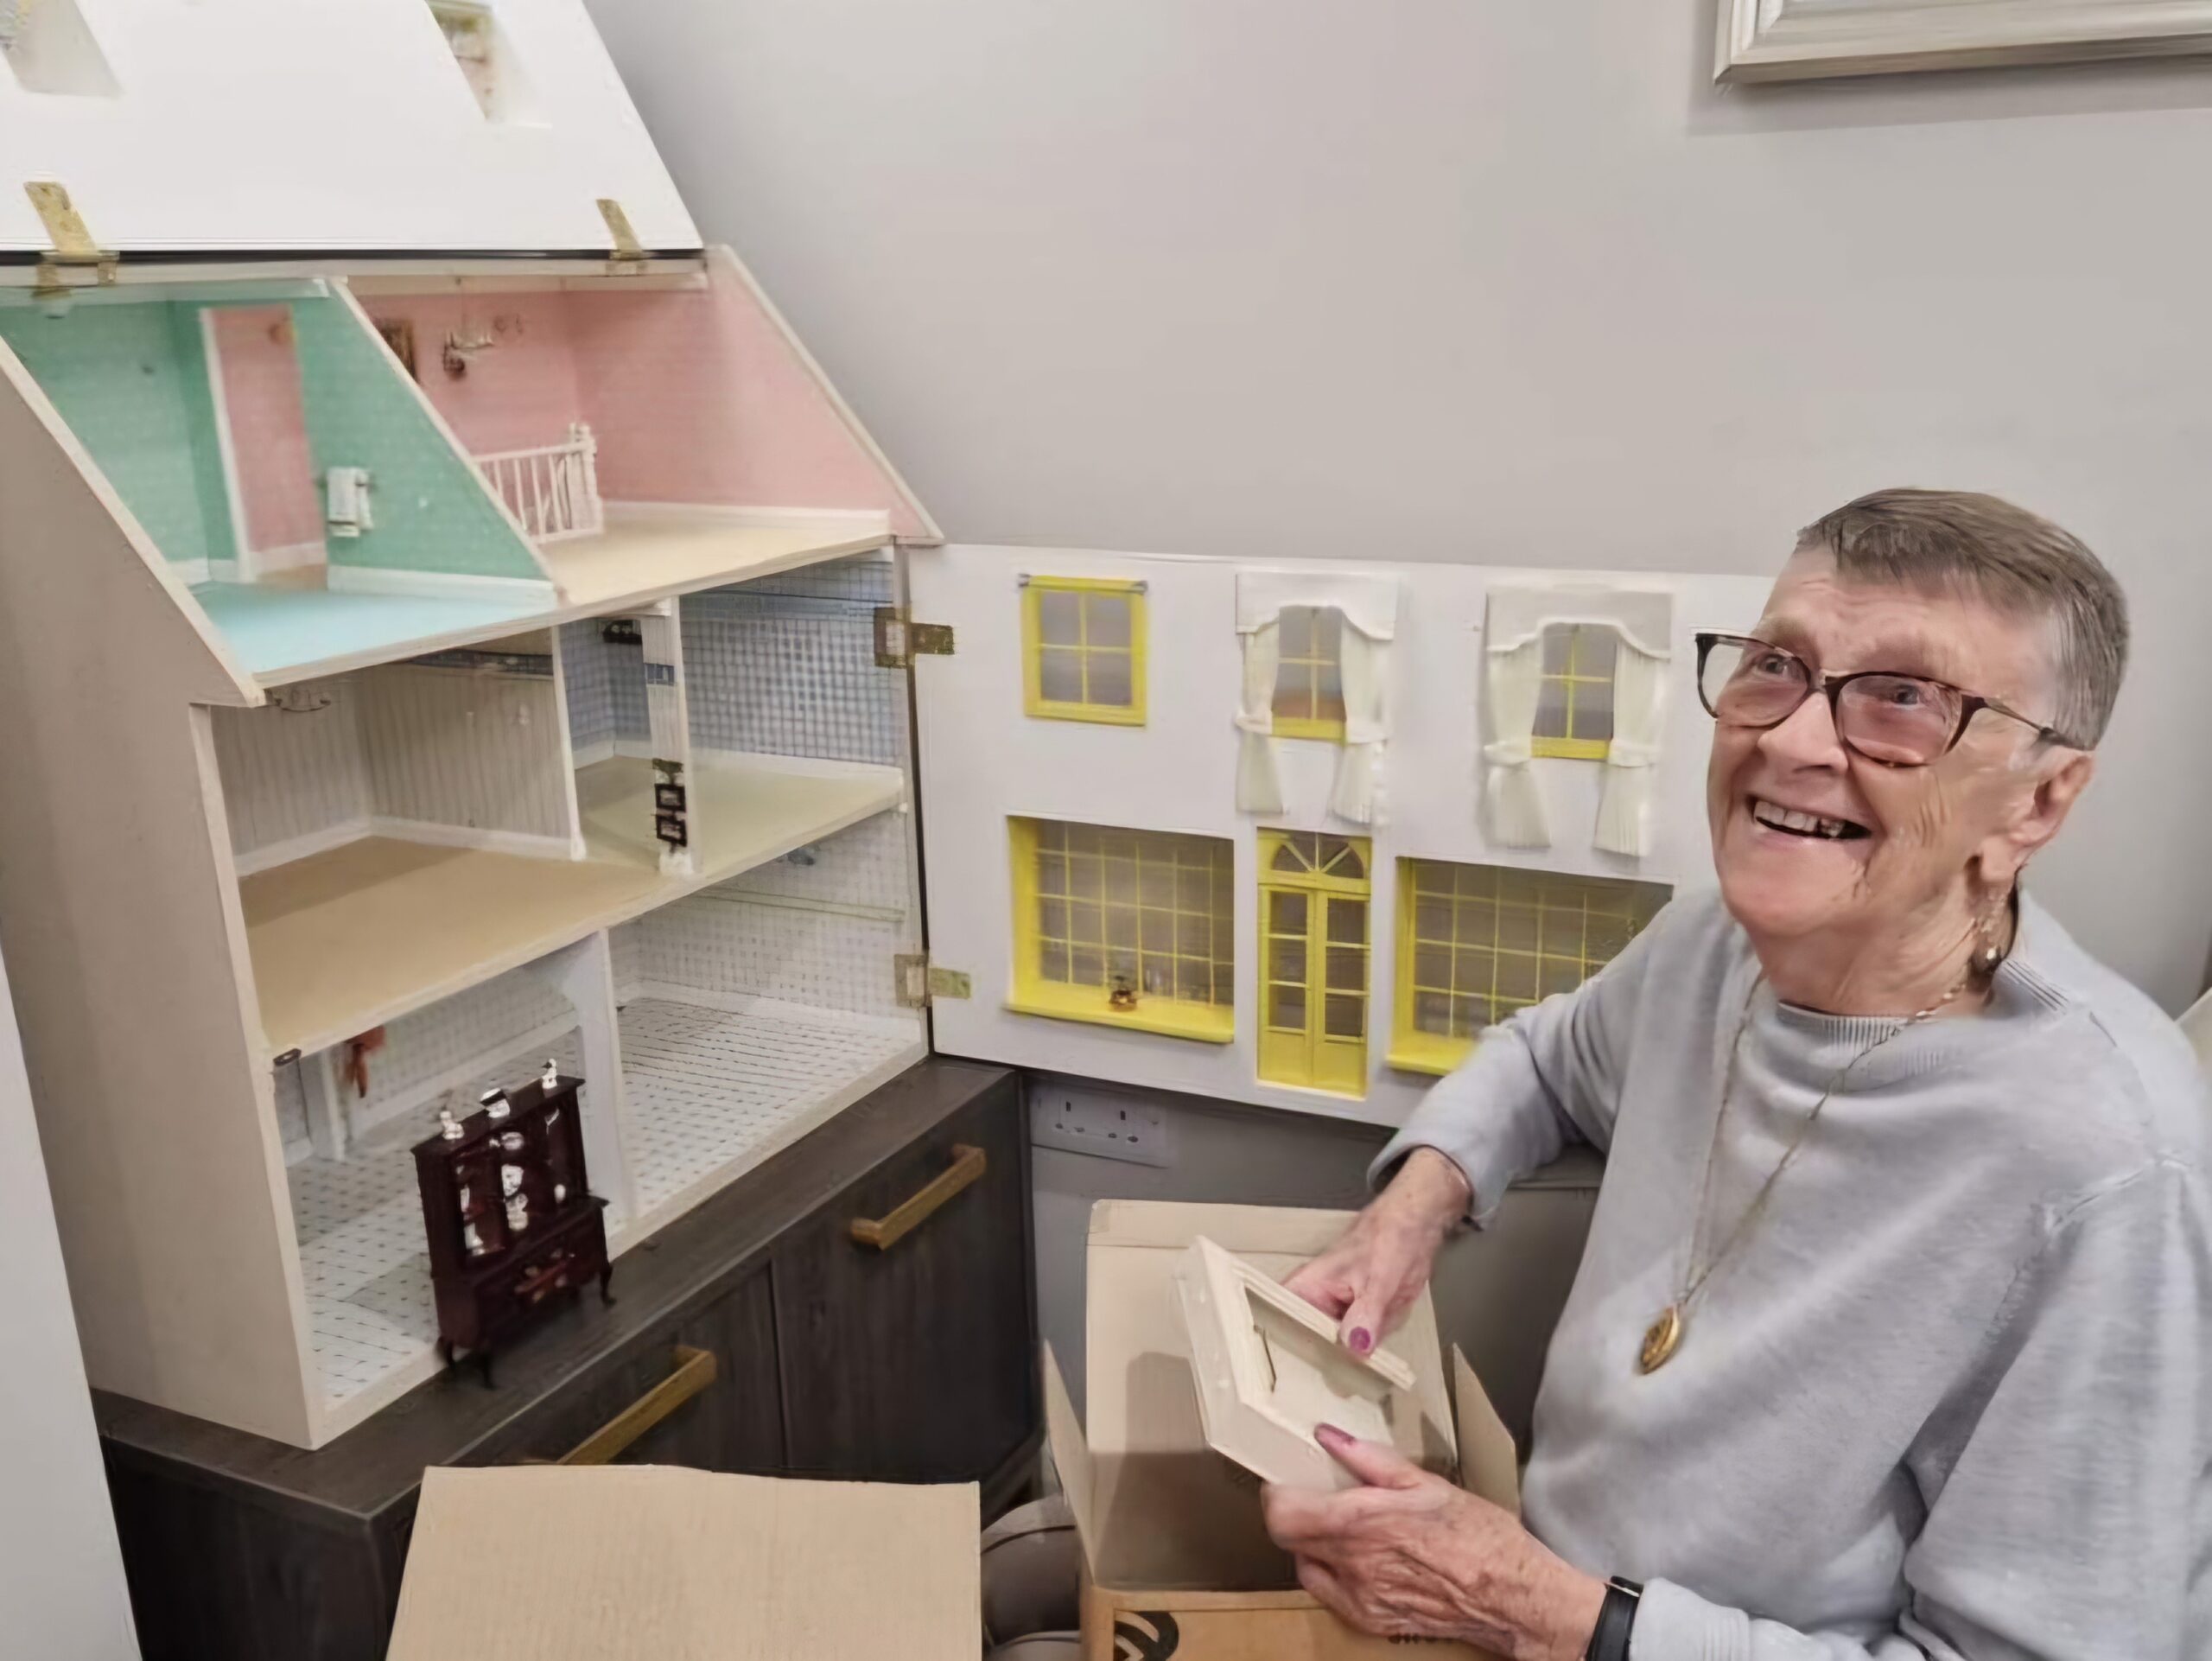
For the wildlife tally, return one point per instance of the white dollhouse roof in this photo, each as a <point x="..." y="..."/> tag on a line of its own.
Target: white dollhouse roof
<point x="268" y="127"/>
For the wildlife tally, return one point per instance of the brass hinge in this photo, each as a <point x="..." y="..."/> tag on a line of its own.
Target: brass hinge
<point x="74" y="247"/>
<point x="900" y="639"/>
<point x="920" y="985"/>
<point x="629" y="257"/>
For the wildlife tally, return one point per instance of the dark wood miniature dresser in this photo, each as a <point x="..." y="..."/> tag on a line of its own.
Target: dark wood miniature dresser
<point x="499" y="1260"/>
<point x="860" y="1306"/>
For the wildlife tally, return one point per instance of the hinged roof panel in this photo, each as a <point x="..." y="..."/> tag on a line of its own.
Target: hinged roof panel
<point x="369" y="126"/>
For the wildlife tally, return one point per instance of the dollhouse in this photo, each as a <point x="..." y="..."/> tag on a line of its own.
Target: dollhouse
<point x="422" y="664"/>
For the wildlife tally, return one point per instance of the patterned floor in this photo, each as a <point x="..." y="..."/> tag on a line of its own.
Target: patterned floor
<point x="704" y="1085"/>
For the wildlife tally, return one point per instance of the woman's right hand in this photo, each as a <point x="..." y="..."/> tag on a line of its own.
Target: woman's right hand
<point x="1370" y="1278"/>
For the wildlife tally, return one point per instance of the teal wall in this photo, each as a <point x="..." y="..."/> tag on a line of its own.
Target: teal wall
<point x="131" y="382"/>
<point x="430" y="513"/>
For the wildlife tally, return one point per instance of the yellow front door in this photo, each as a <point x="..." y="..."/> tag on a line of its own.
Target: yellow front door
<point x="1313" y="956"/>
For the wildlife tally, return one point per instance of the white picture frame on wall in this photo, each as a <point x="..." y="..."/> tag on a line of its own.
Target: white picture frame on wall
<point x="1803" y="39"/>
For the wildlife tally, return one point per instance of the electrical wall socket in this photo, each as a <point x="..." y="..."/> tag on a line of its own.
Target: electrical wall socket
<point x="1106" y="1126"/>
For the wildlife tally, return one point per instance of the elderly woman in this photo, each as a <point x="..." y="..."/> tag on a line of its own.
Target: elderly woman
<point x="1892" y="1333"/>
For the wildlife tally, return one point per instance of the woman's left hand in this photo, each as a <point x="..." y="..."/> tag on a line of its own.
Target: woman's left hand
<point x="1410" y="1555"/>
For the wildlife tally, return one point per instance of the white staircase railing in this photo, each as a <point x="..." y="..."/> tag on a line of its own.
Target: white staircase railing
<point x="553" y="489"/>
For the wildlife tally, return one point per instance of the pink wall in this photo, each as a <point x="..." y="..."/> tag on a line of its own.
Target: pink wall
<point x="694" y="396"/>
<point x="269" y="428"/>
<point x="698" y="397"/>
<point x="519" y="393"/>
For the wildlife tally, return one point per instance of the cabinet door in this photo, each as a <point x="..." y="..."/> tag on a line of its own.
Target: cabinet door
<point x="734" y="1422"/>
<point x="917" y="1361"/>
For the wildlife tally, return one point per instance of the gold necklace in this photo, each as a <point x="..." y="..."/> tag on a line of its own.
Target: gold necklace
<point x="1664" y="1336"/>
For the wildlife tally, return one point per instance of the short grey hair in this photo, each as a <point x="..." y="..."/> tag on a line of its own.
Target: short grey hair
<point x="1957" y="541"/>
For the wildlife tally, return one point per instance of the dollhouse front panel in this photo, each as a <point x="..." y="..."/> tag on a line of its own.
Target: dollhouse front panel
<point x="1294" y="832"/>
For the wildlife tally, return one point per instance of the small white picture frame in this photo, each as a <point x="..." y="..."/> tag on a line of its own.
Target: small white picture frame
<point x="1269" y="1372"/>
<point x="1800" y="40"/>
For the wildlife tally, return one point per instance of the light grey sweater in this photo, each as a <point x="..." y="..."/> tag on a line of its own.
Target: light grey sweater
<point x="1952" y="1395"/>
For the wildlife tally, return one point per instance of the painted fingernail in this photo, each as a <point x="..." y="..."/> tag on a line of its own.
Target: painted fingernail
<point x="1324" y="1433"/>
<point x="1361" y="1341"/>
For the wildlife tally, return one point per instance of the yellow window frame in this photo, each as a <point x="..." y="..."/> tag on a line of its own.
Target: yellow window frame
<point x="1168" y="1016"/>
<point x="1328" y="729"/>
<point x="1309" y="1056"/>
<point x="1034" y="646"/>
<point x="1570" y="747"/>
<point x="1627" y="904"/>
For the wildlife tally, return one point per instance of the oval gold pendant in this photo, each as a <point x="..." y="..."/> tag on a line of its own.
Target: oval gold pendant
<point x="1660" y="1339"/>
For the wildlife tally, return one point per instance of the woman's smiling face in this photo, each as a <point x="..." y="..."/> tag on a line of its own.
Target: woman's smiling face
<point x="1911" y="838"/>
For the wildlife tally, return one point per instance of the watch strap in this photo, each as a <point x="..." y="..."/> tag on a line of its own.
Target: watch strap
<point x="1616" y="1621"/>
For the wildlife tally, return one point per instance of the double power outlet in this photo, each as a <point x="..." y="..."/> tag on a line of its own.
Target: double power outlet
<point x="1103" y="1125"/>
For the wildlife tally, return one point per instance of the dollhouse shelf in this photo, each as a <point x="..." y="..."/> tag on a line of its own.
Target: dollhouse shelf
<point x="283" y="632"/>
<point x="349" y="939"/>
<point x="644" y="555"/>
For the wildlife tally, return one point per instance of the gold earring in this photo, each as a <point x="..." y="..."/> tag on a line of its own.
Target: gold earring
<point x="1989" y="954"/>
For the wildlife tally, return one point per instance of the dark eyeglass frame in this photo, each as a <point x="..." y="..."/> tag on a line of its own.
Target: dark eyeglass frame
<point x="1821" y="685"/>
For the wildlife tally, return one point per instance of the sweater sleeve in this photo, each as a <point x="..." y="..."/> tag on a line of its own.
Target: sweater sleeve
<point x="2069" y="1527"/>
<point x="1549" y="1075"/>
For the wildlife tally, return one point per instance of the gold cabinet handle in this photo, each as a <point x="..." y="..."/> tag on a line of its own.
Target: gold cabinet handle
<point x="695" y="1371"/>
<point x="885" y="1233"/>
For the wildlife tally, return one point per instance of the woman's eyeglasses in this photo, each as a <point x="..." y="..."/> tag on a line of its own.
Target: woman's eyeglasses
<point x="1900" y="720"/>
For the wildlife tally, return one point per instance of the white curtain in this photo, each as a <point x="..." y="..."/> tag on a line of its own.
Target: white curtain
<point x="1357" y="792"/>
<point x="1632" y="758"/>
<point x="1513" y="801"/>
<point x="1258" y="788"/>
<point x="1369" y="605"/>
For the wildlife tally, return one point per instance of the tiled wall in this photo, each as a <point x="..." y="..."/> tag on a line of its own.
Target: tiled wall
<point x="269" y="429"/>
<point x="782" y="666"/>
<point x="131" y="380"/>
<point x="786" y="666"/>
<point x="431" y="513"/>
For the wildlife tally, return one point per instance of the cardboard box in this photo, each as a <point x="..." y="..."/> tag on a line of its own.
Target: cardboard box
<point x="1177" y="1561"/>
<point x="648" y="1563"/>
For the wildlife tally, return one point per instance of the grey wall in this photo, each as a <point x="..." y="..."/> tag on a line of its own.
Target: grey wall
<point x="1434" y="279"/>
<point x="61" y="1590"/>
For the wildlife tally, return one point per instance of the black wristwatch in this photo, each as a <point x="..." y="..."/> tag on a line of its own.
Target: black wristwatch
<point x="1616" y="1620"/>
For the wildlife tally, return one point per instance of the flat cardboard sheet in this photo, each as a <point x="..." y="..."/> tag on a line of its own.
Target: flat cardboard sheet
<point x="647" y="1564"/>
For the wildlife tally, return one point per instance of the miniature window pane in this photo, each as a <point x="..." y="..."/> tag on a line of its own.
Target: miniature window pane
<point x="1309" y="673"/>
<point x="1574" y="703"/>
<point x="1472" y="960"/>
<point x="1138" y="916"/>
<point x="1084" y="645"/>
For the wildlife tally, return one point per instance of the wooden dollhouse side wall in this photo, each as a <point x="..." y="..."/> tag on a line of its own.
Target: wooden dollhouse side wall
<point x="120" y="918"/>
<point x="982" y="760"/>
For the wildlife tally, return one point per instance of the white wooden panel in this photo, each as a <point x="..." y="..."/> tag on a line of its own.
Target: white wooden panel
<point x="117" y="904"/>
<point x="474" y="751"/>
<point x="270" y="124"/>
<point x="983" y="759"/>
<point x="294" y="777"/>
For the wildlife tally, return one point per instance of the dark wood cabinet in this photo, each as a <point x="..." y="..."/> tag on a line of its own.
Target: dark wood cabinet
<point x="756" y="1334"/>
<point x="898" y="1360"/>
